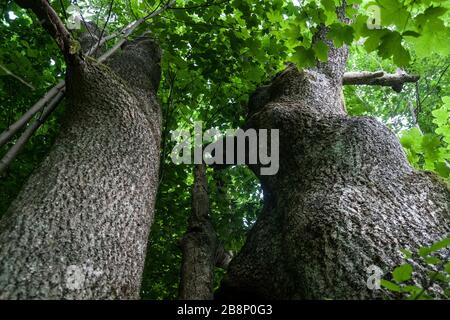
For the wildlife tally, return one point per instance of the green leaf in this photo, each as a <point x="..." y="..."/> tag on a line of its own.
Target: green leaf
<point x="432" y="260"/>
<point x="424" y="251"/>
<point x="407" y="253"/>
<point x="321" y="51"/>
<point x="390" y="285"/>
<point x="340" y="34"/>
<point x="447" y="267"/>
<point x="303" y="57"/>
<point x="393" y="13"/>
<point x="391" y="46"/>
<point x="412" y="139"/>
<point x="440" y="245"/>
<point x="402" y="273"/>
<point x="430" y="14"/>
<point x="435" y="35"/>
<point x="413" y="290"/>
<point x="430" y="147"/>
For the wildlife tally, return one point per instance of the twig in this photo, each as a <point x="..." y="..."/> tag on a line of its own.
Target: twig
<point x="17" y="77"/>
<point x="435" y="85"/>
<point x="106" y="23"/>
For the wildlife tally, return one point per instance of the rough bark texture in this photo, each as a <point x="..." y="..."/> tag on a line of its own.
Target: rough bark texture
<point x="343" y="199"/>
<point x="79" y="227"/>
<point x="199" y="245"/>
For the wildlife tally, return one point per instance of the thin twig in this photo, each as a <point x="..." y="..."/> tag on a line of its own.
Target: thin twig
<point x="436" y="84"/>
<point x="17" y="77"/>
<point x="106" y="23"/>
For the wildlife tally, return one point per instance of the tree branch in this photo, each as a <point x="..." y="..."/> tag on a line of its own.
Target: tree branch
<point x="131" y="27"/>
<point x="55" y="94"/>
<point x="205" y="5"/>
<point x="379" y="78"/>
<point x="16" y="126"/>
<point x="106" y="23"/>
<point x="26" y="135"/>
<point x="54" y="26"/>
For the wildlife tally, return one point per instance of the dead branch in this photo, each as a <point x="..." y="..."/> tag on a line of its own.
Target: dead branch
<point x="379" y="78"/>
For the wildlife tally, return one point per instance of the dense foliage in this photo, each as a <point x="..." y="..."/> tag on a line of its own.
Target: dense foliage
<point x="215" y="54"/>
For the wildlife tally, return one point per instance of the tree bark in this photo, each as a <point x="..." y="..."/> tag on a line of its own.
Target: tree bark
<point x="79" y="227"/>
<point x="344" y="198"/>
<point x="200" y="245"/>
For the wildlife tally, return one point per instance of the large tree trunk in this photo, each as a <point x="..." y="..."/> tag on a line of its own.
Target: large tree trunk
<point x="343" y="199"/>
<point x="79" y="227"/>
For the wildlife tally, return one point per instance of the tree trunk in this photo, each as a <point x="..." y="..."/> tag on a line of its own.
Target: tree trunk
<point x="344" y="198"/>
<point x="202" y="250"/>
<point x="199" y="244"/>
<point x="79" y="227"/>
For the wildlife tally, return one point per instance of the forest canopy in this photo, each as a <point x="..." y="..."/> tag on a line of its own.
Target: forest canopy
<point x="215" y="54"/>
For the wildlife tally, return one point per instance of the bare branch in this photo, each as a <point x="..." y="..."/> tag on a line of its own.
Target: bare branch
<point x="354" y="77"/>
<point x="127" y="31"/>
<point x="379" y="78"/>
<point x="15" y="127"/>
<point x="55" y="95"/>
<point x="106" y="23"/>
<point x="8" y="72"/>
<point x="54" y="26"/>
<point x="26" y="135"/>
